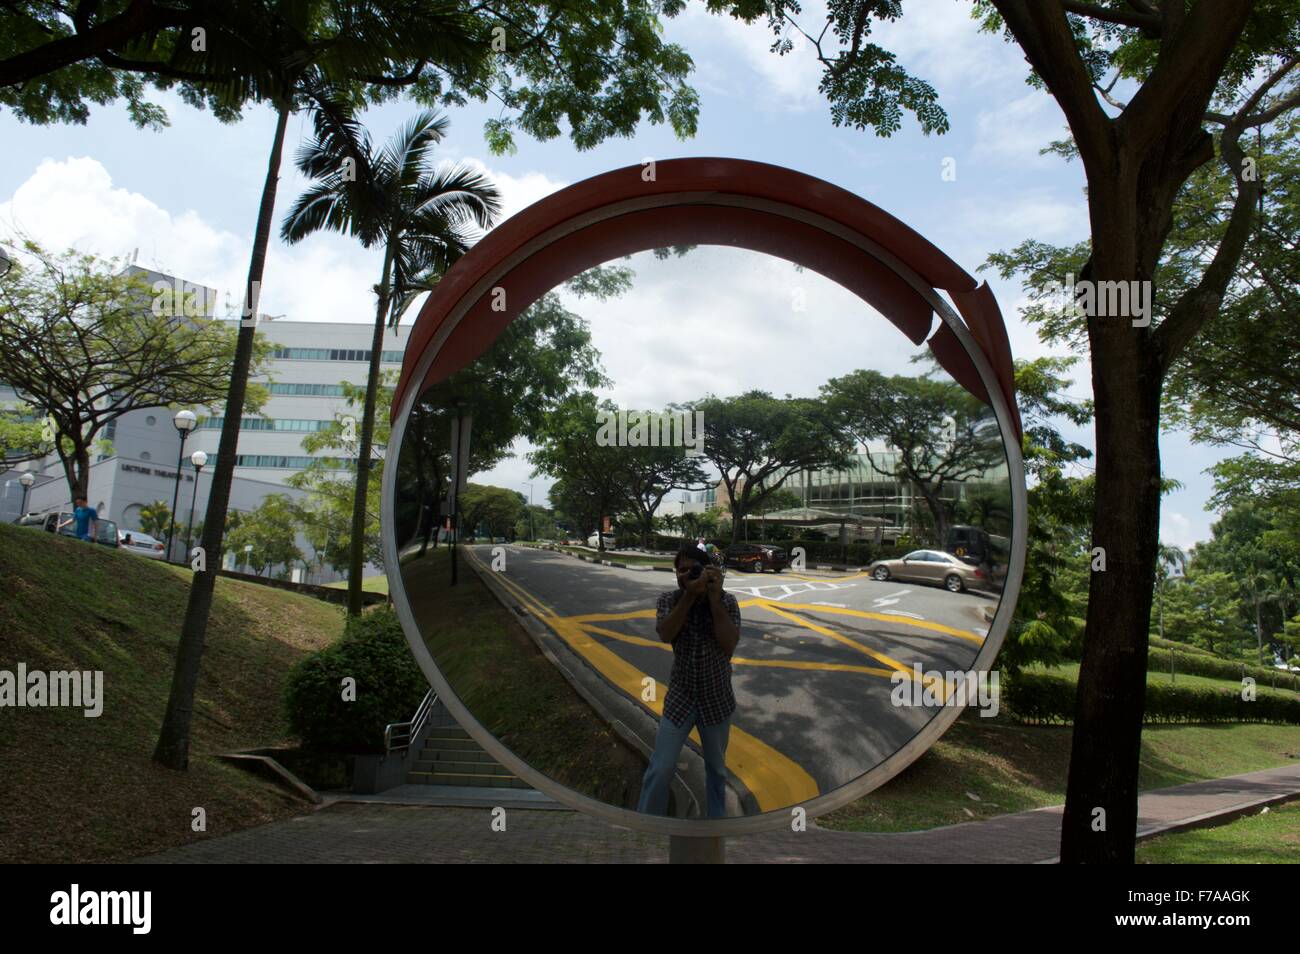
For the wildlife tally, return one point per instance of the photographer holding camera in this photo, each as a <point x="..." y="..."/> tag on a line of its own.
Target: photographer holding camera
<point x="703" y="624"/>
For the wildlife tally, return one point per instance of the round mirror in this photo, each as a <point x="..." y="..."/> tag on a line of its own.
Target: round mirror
<point x="699" y="535"/>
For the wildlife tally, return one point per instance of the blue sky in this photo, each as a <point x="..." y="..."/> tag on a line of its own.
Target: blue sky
<point x="187" y="197"/>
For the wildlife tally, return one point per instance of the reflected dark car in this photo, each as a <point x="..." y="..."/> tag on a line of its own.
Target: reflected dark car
<point x="931" y="566"/>
<point x="755" y="557"/>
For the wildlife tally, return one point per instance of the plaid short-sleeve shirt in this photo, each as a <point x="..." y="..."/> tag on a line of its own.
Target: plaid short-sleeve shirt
<point x="701" y="673"/>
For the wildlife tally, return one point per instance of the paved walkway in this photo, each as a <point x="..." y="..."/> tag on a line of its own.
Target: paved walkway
<point x="379" y="832"/>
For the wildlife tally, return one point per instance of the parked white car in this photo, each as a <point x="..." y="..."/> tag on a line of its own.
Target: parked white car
<point x="609" y="541"/>
<point x="142" y="543"/>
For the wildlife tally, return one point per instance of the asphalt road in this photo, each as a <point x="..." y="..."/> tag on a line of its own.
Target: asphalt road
<point x="811" y="672"/>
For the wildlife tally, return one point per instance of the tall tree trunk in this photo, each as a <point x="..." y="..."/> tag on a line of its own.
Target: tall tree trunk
<point x="1111" y="693"/>
<point x="173" y="749"/>
<point x="356" y="547"/>
<point x="1259" y="628"/>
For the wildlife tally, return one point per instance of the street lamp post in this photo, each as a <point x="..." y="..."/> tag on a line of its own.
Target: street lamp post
<point x="27" y="479"/>
<point x="198" y="459"/>
<point x="184" y="422"/>
<point x="531" y="537"/>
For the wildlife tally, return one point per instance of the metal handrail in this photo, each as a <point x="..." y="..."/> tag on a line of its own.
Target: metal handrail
<point x="398" y="735"/>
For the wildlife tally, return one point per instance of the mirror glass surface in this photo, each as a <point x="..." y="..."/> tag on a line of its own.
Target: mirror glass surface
<point x="853" y="503"/>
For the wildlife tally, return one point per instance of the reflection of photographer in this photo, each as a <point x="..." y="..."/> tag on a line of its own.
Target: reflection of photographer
<point x="703" y="624"/>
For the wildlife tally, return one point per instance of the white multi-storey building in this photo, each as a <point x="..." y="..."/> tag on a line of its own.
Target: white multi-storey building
<point x="310" y="363"/>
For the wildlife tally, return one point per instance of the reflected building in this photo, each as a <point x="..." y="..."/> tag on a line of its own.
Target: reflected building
<point x="860" y="489"/>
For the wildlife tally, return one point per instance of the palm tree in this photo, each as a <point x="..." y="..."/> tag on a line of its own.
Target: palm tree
<point x="310" y="53"/>
<point x="422" y="219"/>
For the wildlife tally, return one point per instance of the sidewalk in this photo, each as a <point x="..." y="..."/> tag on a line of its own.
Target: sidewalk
<point x="378" y="832"/>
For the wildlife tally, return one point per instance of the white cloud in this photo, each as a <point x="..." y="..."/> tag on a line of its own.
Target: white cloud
<point x="327" y="277"/>
<point x="1176" y="530"/>
<point x="1014" y="132"/>
<point x="938" y="41"/>
<point x="735" y="59"/>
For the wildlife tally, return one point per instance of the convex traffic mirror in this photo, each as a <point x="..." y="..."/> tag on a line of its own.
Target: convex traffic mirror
<point x="704" y="501"/>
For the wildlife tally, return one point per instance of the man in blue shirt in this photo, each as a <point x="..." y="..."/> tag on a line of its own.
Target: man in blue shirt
<point x="86" y="519"/>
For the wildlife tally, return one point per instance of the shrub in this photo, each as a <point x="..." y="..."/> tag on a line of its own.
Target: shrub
<point x="1191" y="662"/>
<point x="389" y="686"/>
<point x="1043" y="697"/>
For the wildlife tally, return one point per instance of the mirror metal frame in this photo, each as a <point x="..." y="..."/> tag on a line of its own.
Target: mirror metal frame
<point x="554" y="220"/>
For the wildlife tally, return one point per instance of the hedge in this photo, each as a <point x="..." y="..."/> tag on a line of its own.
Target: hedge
<point x="389" y="686"/>
<point x="1197" y="664"/>
<point x="1036" y="698"/>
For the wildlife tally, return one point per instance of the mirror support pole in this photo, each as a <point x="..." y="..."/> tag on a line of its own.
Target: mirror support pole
<point x="687" y="850"/>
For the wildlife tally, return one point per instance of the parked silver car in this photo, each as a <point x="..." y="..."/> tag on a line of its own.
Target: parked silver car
<point x="137" y="541"/>
<point x="931" y="566"/>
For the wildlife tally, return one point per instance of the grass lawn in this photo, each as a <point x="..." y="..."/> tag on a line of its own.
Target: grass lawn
<point x="1270" y="837"/>
<point x="497" y="671"/>
<point x="85" y="789"/>
<point x="370" y="584"/>
<point x="1071" y="670"/>
<point x="1012" y="768"/>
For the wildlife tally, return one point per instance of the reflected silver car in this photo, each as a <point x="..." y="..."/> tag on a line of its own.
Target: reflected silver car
<point x="931" y="566"/>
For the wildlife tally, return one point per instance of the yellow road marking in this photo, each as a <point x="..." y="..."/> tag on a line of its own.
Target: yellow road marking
<point x="888" y="661"/>
<point x="774" y="780"/>
<point x="882" y="617"/>
<point x="741" y="660"/>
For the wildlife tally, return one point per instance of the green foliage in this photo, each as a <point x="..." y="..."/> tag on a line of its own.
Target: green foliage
<point x="495" y="510"/>
<point x="389" y="686"/>
<point x="1191" y="661"/>
<point x="602" y="66"/>
<point x="863" y="81"/>
<point x="73" y="325"/>
<point x="943" y="435"/>
<point x="756" y="441"/>
<point x="270" y="529"/>
<point x="155" y="518"/>
<point x="22" y="434"/>
<point x="1036" y="698"/>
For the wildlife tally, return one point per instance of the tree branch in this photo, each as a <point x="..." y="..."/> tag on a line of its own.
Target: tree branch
<point x="1148" y="21"/>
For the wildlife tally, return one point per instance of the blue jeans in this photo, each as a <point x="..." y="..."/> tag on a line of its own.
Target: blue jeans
<point x="663" y="764"/>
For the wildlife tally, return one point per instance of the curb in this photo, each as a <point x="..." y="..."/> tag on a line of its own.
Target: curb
<point x="277" y="772"/>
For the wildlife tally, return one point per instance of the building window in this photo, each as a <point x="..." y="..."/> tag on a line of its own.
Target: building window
<point x="334" y="354"/>
<point x="308" y="390"/>
<point x="284" y="462"/>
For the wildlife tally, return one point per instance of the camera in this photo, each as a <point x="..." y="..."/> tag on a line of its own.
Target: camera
<point x="695" y="572"/>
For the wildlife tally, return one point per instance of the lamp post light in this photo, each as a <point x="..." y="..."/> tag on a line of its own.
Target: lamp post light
<point x="27" y="479"/>
<point x="198" y="459"/>
<point x="184" y="422"/>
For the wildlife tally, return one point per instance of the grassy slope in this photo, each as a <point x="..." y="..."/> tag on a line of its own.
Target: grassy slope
<point x="497" y="671"/>
<point x="1262" y="838"/>
<point x="1013" y="768"/>
<point x="77" y="788"/>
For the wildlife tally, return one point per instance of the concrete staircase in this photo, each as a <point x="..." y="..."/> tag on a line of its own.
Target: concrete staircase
<point x="450" y="757"/>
